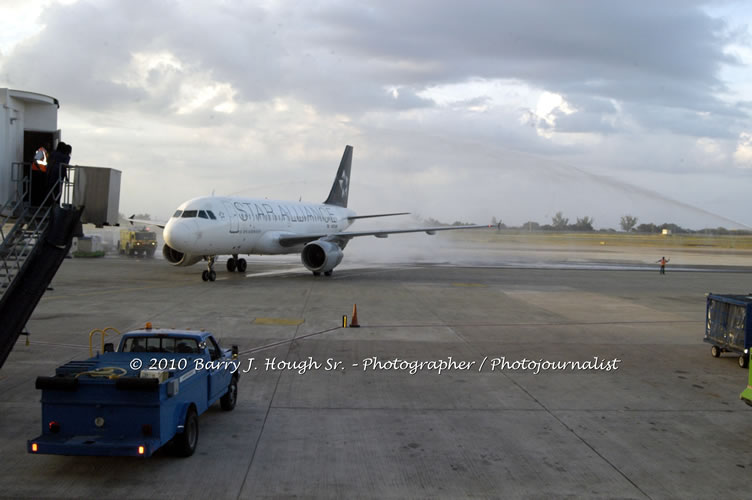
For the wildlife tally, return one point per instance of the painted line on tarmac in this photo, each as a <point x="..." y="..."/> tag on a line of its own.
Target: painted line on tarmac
<point x="377" y="271"/>
<point x="278" y="321"/>
<point x="561" y="323"/>
<point x="276" y="272"/>
<point x="303" y="270"/>
<point x="114" y="290"/>
<point x="547" y="266"/>
<point x="73" y="346"/>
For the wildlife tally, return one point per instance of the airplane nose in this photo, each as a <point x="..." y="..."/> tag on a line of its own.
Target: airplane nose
<point x="177" y="235"/>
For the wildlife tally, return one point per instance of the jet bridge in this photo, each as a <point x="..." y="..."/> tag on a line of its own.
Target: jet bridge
<point x="34" y="239"/>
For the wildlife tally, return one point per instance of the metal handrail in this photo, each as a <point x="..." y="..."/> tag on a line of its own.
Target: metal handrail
<point x="103" y="332"/>
<point x="30" y="222"/>
<point x="12" y="206"/>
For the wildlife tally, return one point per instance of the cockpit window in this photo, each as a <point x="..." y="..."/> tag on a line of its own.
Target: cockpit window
<point x="203" y="214"/>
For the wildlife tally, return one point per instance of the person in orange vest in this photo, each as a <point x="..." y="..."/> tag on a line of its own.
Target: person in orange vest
<point x="39" y="176"/>
<point x="663" y="262"/>
<point x="40" y="160"/>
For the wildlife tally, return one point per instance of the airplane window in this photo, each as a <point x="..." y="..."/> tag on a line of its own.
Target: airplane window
<point x="202" y="214"/>
<point x="177" y="214"/>
<point x="189" y="213"/>
<point x="211" y="215"/>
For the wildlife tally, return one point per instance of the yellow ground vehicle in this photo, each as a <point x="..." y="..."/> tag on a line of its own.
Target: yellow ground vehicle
<point x="134" y="242"/>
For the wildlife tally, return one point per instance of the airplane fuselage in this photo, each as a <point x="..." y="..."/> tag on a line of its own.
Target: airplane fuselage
<point x="218" y="225"/>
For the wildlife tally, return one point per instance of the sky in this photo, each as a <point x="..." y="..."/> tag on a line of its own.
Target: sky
<point x="458" y="111"/>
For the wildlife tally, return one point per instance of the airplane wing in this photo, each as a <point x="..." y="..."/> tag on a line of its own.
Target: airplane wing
<point x="297" y="239"/>
<point x="354" y="217"/>
<point x="159" y="224"/>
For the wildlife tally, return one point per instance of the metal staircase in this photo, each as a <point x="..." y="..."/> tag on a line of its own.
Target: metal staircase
<point x="33" y="243"/>
<point x="20" y="230"/>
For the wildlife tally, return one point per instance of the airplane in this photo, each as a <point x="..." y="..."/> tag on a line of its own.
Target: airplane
<point x="205" y="227"/>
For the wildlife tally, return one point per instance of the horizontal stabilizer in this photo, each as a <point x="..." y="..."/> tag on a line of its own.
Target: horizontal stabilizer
<point x="376" y="215"/>
<point x="157" y="223"/>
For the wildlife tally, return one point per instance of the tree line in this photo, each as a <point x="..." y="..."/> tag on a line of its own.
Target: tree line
<point x="628" y="223"/>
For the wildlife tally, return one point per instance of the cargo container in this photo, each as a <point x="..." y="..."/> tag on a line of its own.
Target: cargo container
<point x="728" y="325"/>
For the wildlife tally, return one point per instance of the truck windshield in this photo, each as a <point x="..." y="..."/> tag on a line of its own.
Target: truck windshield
<point x="146" y="236"/>
<point x="161" y="344"/>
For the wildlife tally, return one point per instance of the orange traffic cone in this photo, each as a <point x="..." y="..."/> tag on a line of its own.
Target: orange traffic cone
<point x="354" y="320"/>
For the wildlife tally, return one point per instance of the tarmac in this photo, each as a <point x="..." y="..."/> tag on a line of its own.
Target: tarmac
<point x="665" y="421"/>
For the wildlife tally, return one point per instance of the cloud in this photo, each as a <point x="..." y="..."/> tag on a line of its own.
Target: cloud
<point x="341" y="56"/>
<point x="743" y="153"/>
<point x="231" y="94"/>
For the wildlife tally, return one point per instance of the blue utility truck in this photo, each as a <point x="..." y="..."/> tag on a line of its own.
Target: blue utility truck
<point x="133" y="401"/>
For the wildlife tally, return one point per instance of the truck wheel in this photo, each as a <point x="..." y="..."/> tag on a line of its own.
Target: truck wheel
<point x="715" y="351"/>
<point x="743" y="361"/>
<point x="186" y="443"/>
<point x="227" y="402"/>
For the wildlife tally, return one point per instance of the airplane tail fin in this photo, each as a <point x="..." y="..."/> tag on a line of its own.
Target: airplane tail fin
<point x="341" y="185"/>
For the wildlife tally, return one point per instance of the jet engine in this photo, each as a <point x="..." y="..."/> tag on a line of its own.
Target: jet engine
<point x="321" y="256"/>
<point x="179" y="258"/>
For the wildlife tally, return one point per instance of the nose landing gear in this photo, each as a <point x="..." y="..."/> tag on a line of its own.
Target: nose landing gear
<point x="209" y="274"/>
<point x="233" y="264"/>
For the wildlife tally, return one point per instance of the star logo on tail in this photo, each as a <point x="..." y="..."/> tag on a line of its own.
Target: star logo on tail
<point x="343" y="184"/>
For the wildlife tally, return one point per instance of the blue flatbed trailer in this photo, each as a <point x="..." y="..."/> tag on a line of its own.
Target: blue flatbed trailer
<point x="728" y="325"/>
<point x="134" y="401"/>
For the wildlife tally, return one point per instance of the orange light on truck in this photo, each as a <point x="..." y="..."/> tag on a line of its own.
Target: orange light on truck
<point x="141" y="450"/>
<point x="34" y="447"/>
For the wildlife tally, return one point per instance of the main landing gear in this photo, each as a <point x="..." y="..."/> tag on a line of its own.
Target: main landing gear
<point x="209" y="274"/>
<point x="235" y="264"/>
